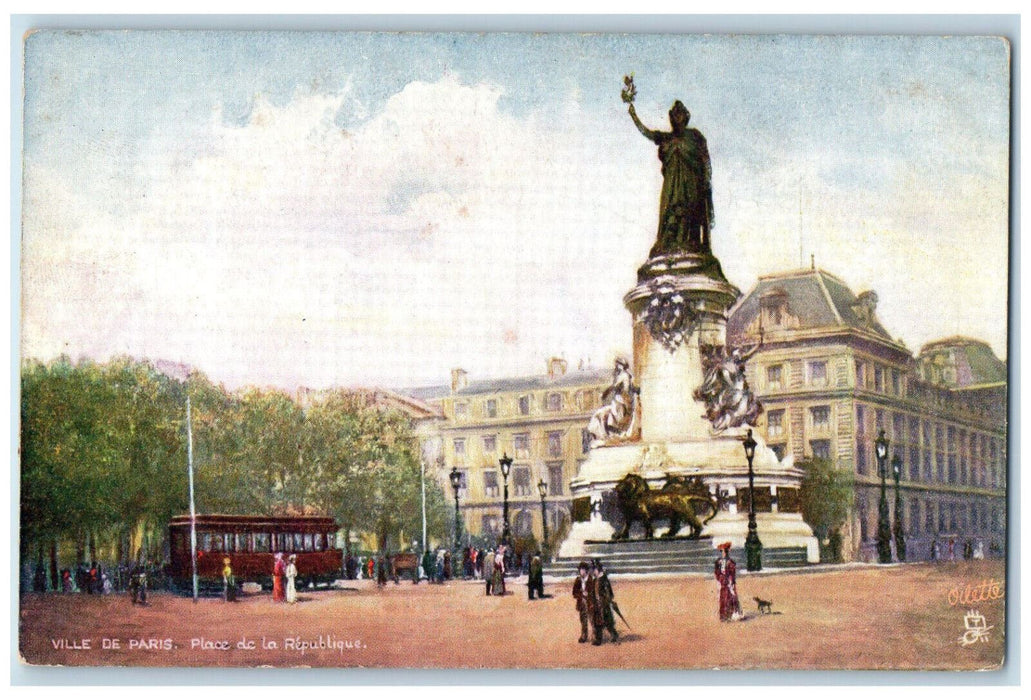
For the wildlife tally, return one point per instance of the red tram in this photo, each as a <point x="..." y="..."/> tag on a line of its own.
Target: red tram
<point x="251" y="542"/>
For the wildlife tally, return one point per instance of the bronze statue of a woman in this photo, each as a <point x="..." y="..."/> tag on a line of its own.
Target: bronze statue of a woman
<point x="685" y="208"/>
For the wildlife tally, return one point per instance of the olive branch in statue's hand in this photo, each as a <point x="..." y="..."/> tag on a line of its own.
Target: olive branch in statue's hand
<point x="629" y="90"/>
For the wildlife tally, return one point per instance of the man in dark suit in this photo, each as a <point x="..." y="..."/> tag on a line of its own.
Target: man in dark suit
<point x="583" y="588"/>
<point x="605" y="600"/>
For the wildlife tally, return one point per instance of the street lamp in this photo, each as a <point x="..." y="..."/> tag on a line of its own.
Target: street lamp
<point x="883" y="527"/>
<point x="753" y="547"/>
<point x="456" y="483"/>
<point x="899" y="528"/>
<point x="506" y="467"/>
<point x="543" y="488"/>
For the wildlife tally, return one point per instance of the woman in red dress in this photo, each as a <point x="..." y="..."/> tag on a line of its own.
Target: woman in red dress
<point x="726" y="574"/>
<point x="278" y="575"/>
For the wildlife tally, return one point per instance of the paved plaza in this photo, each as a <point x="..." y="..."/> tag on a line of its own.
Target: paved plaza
<point x="916" y="616"/>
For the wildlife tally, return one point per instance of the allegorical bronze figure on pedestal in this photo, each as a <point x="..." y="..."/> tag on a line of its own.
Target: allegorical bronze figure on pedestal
<point x="686" y="215"/>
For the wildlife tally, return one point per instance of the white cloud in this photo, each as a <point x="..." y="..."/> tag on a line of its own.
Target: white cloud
<point x="441" y="232"/>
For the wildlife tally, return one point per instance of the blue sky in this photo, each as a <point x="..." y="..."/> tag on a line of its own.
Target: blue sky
<point x="331" y="208"/>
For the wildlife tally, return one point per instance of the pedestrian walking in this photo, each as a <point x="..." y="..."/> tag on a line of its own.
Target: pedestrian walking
<point x="228" y="581"/>
<point x="535" y="581"/>
<point x="581" y="593"/>
<point x="138" y="584"/>
<point x="497" y="584"/>
<point x="427" y="565"/>
<point x="726" y="574"/>
<point x="291" y="579"/>
<point x="606" y="599"/>
<point x="278" y="579"/>
<point x="487" y="567"/>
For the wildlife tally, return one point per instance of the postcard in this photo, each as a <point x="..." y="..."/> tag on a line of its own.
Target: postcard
<point x="609" y="351"/>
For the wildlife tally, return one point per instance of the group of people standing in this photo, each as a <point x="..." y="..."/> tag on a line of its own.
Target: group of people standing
<point x="595" y="599"/>
<point x="284" y="579"/>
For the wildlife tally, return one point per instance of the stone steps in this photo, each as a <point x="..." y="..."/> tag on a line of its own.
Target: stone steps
<point x="670" y="556"/>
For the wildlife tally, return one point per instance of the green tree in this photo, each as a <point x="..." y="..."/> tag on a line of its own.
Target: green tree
<point x="827" y="494"/>
<point x="361" y="465"/>
<point x="252" y="454"/>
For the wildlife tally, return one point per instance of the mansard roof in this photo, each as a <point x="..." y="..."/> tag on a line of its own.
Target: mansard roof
<point x="814" y="299"/>
<point x="971" y="362"/>
<point x="572" y="378"/>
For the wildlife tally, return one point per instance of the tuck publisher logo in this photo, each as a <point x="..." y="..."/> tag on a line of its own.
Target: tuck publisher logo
<point x="976" y="628"/>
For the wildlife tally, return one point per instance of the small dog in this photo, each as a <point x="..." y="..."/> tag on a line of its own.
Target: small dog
<point x="765" y="606"/>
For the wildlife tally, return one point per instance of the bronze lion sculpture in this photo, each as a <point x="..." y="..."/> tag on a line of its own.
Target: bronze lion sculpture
<point x="675" y="502"/>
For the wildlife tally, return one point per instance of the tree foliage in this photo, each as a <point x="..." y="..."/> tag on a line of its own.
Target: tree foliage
<point x="103" y="453"/>
<point x="827" y="493"/>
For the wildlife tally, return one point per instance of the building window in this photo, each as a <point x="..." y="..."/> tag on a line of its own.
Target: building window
<point x="522" y="445"/>
<point x="860" y="374"/>
<point x="818" y="373"/>
<point x="860" y="455"/>
<point x="584" y="400"/>
<point x="774" y="424"/>
<point x="461" y="410"/>
<point x="555" y="444"/>
<point x="524" y="405"/>
<point x="585" y="440"/>
<point x="555" y="479"/>
<point x="896" y="383"/>
<point x="459" y="447"/>
<point x="490" y="484"/>
<point x="554" y="402"/>
<point x="521" y="481"/>
<point x="914" y="463"/>
<point x="929" y="518"/>
<point x="878" y="379"/>
<point x="491" y="525"/>
<point x="522" y="526"/>
<point x="821" y="416"/>
<point x="821" y="449"/>
<point x="490" y="444"/>
<point x="463" y="483"/>
<point x="775" y="377"/>
<point x="914" y="517"/>
<point x="864" y="531"/>
<point x="492" y="408"/>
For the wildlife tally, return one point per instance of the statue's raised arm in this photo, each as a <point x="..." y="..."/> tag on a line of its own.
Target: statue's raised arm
<point x="649" y="134"/>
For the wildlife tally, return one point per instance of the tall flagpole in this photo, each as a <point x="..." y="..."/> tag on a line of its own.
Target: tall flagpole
<point x="423" y="463"/>
<point x="193" y="510"/>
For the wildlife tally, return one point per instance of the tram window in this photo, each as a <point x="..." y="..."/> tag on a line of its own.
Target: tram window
<point x="262" y="542"/>
<point x="214" y="542"/>
<point x="298" y="542"/>
<point x="330" y="540"/>
<point x="319" y="542"/>
<point x="309" y="545"/>
<point x="284" y="541"/>
<point x="241" y="543"/>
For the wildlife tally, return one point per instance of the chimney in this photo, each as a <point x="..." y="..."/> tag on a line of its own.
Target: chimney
<point x="459" y="380"/>
<point x="556" y="367"/>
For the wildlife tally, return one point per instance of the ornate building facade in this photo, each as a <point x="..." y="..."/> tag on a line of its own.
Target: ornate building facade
<point x="539" y="421"/>
<point x="829" y="376"/>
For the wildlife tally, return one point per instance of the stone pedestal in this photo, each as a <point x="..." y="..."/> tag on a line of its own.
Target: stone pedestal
<point x="679" y="307"/>
<point x="694" y="286"/>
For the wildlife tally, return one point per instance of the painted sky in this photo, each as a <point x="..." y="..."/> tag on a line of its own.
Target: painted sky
<point x="331" y="208"/>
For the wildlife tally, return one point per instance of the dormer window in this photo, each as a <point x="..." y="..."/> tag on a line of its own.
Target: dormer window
<point x="773" y="308"/>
